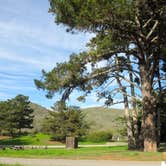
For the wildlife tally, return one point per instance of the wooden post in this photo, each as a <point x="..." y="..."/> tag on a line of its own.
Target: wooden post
<point x="71" y="143"/>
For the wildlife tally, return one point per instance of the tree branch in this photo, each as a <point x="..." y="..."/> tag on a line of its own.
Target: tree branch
<point x="153" y="29"/>
<point x="128" y="81"/>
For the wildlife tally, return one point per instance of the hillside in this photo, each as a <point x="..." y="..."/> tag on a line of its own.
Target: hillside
<point x="100" y="118"/>
<point x="104" y="118"/>
<point x="40" y="114"/>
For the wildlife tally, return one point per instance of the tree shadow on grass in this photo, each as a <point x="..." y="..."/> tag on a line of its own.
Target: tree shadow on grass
<point x="14" y="141"/>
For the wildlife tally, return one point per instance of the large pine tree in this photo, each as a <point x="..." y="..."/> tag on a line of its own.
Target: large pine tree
<point x="129" y="27"/>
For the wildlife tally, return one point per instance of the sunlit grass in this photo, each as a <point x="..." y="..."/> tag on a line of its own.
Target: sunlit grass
<point x="37" y="139"/>
<point x="10" y="164"/>
<point x="111" y="153"/>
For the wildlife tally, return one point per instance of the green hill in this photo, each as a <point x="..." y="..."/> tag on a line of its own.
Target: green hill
<point x="104" y="118"/>
<point x="40" y="114"/>
<point x="100" y="118"/>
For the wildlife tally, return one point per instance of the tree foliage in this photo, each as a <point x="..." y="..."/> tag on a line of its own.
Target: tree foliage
<point x="15" y="114"/>
<point x="130" y="37"/>
<point x="65" y="122"/>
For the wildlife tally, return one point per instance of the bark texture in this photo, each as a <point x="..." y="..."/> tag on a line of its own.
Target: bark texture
<point x="149" y="119"/>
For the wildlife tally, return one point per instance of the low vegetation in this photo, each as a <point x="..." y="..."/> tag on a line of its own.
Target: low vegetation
<point x="111" y="153"/>
<point x="100" y="136"/>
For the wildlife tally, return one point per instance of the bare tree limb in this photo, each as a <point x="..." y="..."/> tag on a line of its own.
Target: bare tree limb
<point x="153" y="29"/>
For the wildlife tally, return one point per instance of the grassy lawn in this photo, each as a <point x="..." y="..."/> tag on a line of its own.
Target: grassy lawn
<point x="9" y="164"/>
<point x="37" y="139"/>
<point x="103" y="153"/>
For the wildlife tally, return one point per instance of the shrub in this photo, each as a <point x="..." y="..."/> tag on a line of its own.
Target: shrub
<point x="100" y="136"/>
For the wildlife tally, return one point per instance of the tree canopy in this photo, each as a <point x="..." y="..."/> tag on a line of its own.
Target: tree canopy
<point x="15" y="114"/>
<point x="68" y="121"/>
<point x="130" y="38"/>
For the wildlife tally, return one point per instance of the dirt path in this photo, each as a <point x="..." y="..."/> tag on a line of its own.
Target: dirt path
<point x="62" y="162"/>
<point x="80" y="146"/>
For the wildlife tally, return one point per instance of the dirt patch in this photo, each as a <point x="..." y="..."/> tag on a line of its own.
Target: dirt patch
<point x="164" y="156"/>
<point x="4" y="137"/>
<point x="54" y="143"/>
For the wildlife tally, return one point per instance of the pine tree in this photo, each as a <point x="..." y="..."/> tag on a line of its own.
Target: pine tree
<point x="133" y="28"/>
<point x="16" y="114"/>
<point x="69" y="121"/>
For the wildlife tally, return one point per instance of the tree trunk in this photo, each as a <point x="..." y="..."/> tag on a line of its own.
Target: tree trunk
<point x="134" y="113"/>
<point x="158" y="127"/>
<point x="160" y="102"/>
<point x="131" y="139"/>
<point x="149" y="104"/>
<point x="149" y="118"/>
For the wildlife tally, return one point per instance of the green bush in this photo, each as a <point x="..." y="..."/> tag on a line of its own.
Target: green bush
<point x="100" y="136"/>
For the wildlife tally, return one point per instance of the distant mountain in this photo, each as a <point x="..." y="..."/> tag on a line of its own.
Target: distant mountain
<point x="100" y="118"/>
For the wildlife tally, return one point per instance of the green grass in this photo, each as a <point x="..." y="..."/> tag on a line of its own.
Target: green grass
<point x="112" y="153"/>
<point x="53" y="153"/>
<point x="38" y="139"/>
<point x="10" y="164"/>
<point x="64" y="153"/>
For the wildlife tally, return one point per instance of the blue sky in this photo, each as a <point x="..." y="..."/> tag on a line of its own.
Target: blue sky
<point x="29" y="42"/>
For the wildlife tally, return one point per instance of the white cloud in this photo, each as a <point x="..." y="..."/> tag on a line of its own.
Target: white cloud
<point x="13" y="87"/>
<point x="9" y="76"/>
<point x="18" y="58"/>
<point x="50" y="36"/>
<point x="5" y="96"/>
<point x="35" y="62"/>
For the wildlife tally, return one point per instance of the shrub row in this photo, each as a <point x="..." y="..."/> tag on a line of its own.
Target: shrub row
<point x="100" y="136"/>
